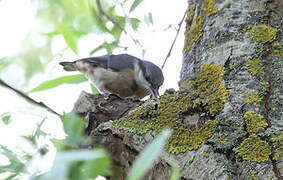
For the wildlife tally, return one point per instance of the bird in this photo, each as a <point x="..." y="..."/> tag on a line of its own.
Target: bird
<point x="123" y="75"/>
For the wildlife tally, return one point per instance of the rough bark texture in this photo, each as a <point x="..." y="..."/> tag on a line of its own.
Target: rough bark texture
<point x="227" y="120"/>
<point x="245" y="37"/>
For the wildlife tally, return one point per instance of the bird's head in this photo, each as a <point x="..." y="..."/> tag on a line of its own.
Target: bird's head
<point x="149" y="76"/>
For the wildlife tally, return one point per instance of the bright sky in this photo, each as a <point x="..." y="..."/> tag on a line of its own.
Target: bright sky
<point x="16" y="19"/>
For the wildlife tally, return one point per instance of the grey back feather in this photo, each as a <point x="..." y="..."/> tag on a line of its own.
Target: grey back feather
<point x="115" y="62"/>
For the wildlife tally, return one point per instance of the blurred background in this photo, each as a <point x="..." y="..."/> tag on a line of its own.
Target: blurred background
<point x="35" y="35"/>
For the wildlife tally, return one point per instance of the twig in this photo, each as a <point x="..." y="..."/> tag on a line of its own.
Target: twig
<point x="102" y="12"/>
<point x="28" y="99"/>
<point x="173" y="43"/>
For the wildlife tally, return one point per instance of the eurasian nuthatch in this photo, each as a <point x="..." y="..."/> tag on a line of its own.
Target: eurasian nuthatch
<point x="123" y="74"/>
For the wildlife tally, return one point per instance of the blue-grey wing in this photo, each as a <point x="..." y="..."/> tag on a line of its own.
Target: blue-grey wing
<point x="115" y="62"/>
<point x="99" y="61"/>
<point x="122" y="61"/>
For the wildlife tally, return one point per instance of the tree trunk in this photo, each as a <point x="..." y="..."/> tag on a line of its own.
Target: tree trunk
<point x="227" y="119"/>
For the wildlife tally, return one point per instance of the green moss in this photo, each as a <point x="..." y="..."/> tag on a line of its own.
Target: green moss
<point x="209" y="7"/>
<point x="254" y="149"/>
<point x="207" y="91"/>
<point x="209" y="88"/>
<point x="193" y="33"/>
<point x="254" y="122"/>
<point x="183" y="139"/>
<point x="277" y="142"/>
<point x="252" y="98"/>
<point x="263" y="33"/>
<point x="254" y="66"/>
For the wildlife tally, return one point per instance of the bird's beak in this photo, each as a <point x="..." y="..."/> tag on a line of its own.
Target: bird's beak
<point x="154" y="92"/>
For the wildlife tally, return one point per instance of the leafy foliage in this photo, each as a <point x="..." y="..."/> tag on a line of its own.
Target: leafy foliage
<point x="16" y="166"/>
<point x="6" y="118"/>
<point x="135" y="4"/>
<point x="148" y="156"/>
<point x="71" y="79"/>
<point x="79" y="164"/>
<point x="73" y="20"/>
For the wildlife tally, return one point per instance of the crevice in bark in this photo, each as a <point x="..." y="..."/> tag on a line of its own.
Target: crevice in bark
<point x="268" y="77"/>
<point x="267" y="55"/>
<point x="227" y="63"/>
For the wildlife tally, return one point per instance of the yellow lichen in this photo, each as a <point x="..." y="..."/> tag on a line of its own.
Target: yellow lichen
<point x="209" y="88"/>
<point x="169" y="107"/>
<point x="183" y="139"/>
<point x="263" y="33"/>
<point x="252" y="98"/>
<point x="278" y="52"/>
<point x="223" y="140"/>
<point x="193" y="33"/>
<point x="254" y="121"/>
<point x="206" y="153"/>
<point x="278" y="49"/>
<point x="277" y="142"/>
<point x="255" y="149"/>
<point x="254" y="66"/>
<point x="207" y="91"/>
<point x="252" y="175"/>
<point x="191" y="12"/>
<point x="209" y="7"/>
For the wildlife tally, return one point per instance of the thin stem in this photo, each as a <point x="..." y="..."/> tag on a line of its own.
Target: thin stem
<point x="173" y="43"/>
<point x="28" y="99"/>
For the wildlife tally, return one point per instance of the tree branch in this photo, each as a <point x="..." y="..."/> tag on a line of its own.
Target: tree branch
<point x="29" y="99"/>
<point x="173" y="43"/>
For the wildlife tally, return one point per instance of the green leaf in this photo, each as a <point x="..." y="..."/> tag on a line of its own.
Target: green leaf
<point x="85" y="164"/>
<point x="117" y="31"/>
<point x="101" y="166"/>
<point x="50" y="34"/>
<point x="135" y="23"/>
<point x="71" y="79"/>
<point x="98" y="21"/>
<point x="16" y="165"/>
<point x="175" y="169"/>
<point x="69" y="36"/>
<point x="135" y="4"/>
<point x="74" y="128"/>
<point x="148" y="19"/>
<point x="101" y="46"/>
<point x="32" y="138"/>
<point x="109" y="47"/>
<point x="6" y="118"/>
<point x="4" y="62"/>
<point x="94" y="90"/>
<point x="148" y="156"/>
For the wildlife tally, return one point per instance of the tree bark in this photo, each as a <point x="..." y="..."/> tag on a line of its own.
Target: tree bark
<point x="227" y="119"/>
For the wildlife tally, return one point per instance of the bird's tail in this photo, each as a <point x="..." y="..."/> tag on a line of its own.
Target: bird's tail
<point x="69" y="66"/>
